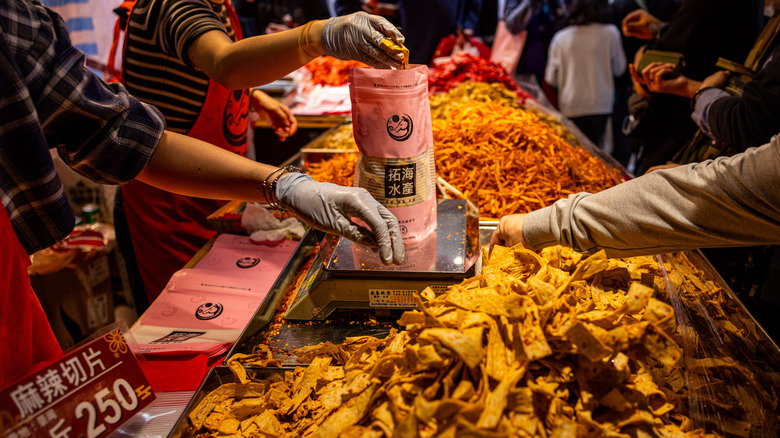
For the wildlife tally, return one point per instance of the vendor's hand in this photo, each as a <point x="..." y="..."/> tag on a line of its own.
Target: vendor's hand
<point x="509" y="231"/>
<point x="659" y="78"/>
<point x="275" y="113"/>
<point x="638" y="23"/>
<point x="329" y="207"/>
<point x="359" y="36"/>
<point x="717" y="79"/>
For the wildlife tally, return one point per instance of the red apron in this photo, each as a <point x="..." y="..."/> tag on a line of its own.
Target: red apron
<point x="25" y="334"/>
<point x="168" y="229"/>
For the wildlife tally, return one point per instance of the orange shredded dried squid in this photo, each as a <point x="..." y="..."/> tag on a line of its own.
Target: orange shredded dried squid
<point x="514" y="161"/>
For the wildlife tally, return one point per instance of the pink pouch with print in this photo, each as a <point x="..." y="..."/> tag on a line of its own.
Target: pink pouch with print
<point x="391" y="120"/>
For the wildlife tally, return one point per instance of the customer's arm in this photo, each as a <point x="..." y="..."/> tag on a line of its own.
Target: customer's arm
<point x="724" y="202"/>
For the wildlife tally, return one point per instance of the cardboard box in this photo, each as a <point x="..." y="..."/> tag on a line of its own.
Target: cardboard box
<point x="78" y="298"/>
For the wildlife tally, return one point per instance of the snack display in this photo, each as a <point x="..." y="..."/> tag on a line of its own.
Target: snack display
<point x="327" y="70"/>
<point x="547" y="344"/>
<point x="514" y="162"/>
<point x="467" y="93"/>
<point x="339" y="169"/>
<point x="464" y="67"/>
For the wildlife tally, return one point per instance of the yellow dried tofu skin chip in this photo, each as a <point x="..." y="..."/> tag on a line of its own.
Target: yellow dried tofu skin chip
<point x="395" y="47"/>
<point x="587" y="339"/>
<point x="460" y="343"/>
<point x="487" y="300"/>
<point x="540" y="344"/>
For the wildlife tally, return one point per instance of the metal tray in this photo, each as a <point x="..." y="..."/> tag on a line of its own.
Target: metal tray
<point x="316" y="149"/>
<point x="265" y="313"/>
<point x="216" y="377"/>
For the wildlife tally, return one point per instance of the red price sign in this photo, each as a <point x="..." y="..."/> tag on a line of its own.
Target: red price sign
<point x="88" y="393"/>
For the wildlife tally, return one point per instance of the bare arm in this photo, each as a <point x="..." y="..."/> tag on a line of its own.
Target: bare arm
<point x="188" y="166"/>
<point x="256" y="60"/>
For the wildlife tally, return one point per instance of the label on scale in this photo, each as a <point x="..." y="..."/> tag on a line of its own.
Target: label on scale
<point x="391" y="298"/>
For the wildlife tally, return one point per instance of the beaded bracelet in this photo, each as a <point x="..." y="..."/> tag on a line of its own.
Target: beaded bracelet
<point x="697" y="95"/>
<point x="269" y="189"/>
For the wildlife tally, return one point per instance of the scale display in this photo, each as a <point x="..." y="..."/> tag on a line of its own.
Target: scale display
<point x="346" y="275"/>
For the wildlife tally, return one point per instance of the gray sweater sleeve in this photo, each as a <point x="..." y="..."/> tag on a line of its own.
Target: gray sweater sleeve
<point x="726" y="202"/>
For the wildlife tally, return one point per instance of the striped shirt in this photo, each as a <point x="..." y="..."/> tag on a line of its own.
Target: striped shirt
<point x="50" y="100"/>
<point x="156" y="67"/>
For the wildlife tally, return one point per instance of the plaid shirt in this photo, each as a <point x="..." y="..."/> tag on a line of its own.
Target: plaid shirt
<point x="48" y="99"/>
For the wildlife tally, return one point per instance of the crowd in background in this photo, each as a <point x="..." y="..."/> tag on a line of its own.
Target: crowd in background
<point x="586" y="57"/>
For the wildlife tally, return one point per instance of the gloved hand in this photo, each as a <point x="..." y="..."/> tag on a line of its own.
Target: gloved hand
<point x="329" y="207"/>
<point x="359" y="36"/>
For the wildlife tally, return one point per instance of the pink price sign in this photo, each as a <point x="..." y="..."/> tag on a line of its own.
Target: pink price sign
<point x="89" y="392"/>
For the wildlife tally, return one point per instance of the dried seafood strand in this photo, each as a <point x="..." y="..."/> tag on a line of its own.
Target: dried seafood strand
<point x="533" y="161"/>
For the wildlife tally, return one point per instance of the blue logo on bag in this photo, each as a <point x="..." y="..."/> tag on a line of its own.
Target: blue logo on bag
<point x="399" y="127"/>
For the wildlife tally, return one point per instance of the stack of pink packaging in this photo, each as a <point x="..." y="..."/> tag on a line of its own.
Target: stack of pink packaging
<point x="204" y="309"/>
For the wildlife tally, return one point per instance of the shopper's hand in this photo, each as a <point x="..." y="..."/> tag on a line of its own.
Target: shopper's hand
<point x="329" y="207"/>
<point x="359" y="36"/>
<point x="719" y="79"/>
<point x="638" y="24"/>
<point x="509" y="231"/>
<point x="275" y="113"/>
<point x="659" y="78"/>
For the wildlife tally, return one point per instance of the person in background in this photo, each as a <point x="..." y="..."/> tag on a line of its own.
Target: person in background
<point x="51" y="101"/>
<point x="186" y="58"/>
<point x="542" y="19"/>
<point x="260" y="17"/>
<point x="697" y="31"/>
<point x="425" y="23"/>
<point x="583" y="61"/>
<point x="663" y="10"/>
<point x="732" y="123"/>
<point x="388" y="9"/>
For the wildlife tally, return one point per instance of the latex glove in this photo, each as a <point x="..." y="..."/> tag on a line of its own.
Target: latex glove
<point x="359" y="37"/>
<point x="329" y="207"/>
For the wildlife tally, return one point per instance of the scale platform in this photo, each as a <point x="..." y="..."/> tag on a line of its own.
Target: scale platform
<point x="349" y="276"/>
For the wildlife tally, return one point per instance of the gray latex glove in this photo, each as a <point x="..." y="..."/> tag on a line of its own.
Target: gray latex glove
<point x="359" y="37"/>
<point x="329" y="207"/>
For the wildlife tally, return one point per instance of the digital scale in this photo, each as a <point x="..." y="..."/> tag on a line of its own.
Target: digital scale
<point x="345" y="275"/>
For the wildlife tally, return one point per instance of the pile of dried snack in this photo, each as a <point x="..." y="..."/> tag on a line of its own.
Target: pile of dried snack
<point x="464" y="67"/>
<point x="339" y="169"/>
<point x="326" y="70"/>
<point x="540" y="344"/>
<point x="467" y="93"/>
<point x="514" y="162"/>
<point x="732" y="367"/>
<point x="339" y="138"/>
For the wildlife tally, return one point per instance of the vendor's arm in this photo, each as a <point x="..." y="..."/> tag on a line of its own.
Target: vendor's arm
<point x="725" y="202"/>
<point x="261" y="59"/>
<point x="187" y="166"/>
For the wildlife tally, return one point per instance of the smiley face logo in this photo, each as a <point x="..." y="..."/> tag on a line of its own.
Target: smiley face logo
<point x="207" y="311"/>
<point x="236" y="117"/>
<point x="399" y="127"/>
<point x="247" y="262"/>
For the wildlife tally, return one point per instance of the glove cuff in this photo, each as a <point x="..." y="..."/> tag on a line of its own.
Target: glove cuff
<point x="285" y="186"/>
<point x="328" y="37"/>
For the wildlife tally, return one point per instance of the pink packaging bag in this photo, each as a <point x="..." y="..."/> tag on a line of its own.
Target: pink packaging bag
<point x="204" y="300"/>
<point x="391" y="120"/>
<point x="236" y="255"/>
